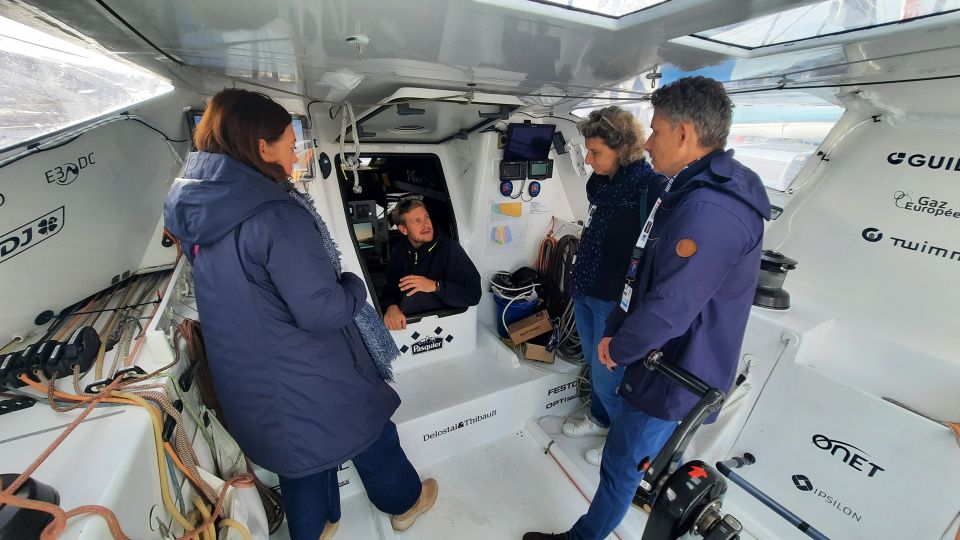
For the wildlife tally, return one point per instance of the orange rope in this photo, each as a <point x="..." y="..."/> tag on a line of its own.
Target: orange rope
<point x="241" y="480"/>
<point x="59" y="523"/>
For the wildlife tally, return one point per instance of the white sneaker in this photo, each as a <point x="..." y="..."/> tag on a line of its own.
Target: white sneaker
<point x="584" y="427"/>
<point x="593" y="455"/>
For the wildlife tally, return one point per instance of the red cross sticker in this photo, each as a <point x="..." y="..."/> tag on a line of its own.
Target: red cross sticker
<point x="697" y="472"/>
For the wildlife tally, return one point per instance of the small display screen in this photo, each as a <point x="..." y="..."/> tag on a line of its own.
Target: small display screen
<point x="194" y="117"/>
<point x="364" y="232"/>
<point x="538" y="169"/>
<point x="528" y="142"/>
<point x="512" y="171"/>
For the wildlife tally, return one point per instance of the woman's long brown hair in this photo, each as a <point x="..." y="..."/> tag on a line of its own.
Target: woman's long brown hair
<point x="234" y="123"/>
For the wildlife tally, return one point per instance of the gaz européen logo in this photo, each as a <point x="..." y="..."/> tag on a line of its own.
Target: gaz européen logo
<point x="30" y="234"/>
<point x="924" y="205"/>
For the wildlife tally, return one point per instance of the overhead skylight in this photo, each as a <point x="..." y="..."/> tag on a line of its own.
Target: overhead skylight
<point x="826" y="18"/>
<point x="607" y="8"/>
<point x="51" y="83"/>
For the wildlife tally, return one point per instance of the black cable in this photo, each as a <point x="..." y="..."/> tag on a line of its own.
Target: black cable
<point x="551" y="116"/>
<point x="130" y="27"/>
<point x="843" y="85"/>
<point x="162" y="134"/>
<point x="34" y="148"/>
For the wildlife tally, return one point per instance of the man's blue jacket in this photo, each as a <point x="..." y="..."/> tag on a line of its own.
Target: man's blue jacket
<point x="696" y="286"/>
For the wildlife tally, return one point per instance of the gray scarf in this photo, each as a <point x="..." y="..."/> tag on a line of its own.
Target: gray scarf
<point x="375" y="335"/>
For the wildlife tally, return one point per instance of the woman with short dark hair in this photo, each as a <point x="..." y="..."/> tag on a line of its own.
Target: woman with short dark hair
<point x="297" y="356"/>
<point x="618" y="195"/>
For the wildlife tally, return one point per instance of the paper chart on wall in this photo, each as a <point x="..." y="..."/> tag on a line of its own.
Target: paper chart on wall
<point x="506" y="212"/>
<point x="506" y="237"/>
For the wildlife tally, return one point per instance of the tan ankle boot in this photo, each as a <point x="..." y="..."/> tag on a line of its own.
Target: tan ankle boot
<point x="329" y="530"/>
<point x="428" y="496"/>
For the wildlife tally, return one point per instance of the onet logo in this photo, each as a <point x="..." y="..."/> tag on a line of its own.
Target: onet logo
<point x="802" y="482"/>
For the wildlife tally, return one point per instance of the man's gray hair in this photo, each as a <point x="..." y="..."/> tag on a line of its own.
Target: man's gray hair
<point x="699" y="100"/>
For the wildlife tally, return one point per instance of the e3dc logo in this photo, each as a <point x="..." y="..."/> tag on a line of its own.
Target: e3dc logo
<point x="802" y="482"/>
<point x="68" y="172"/>
<point x="871" y="234"/>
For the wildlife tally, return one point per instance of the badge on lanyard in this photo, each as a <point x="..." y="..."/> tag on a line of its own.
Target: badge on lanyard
<point x="637" y="256"/>
<point x="589" y="215"/>
<point x="625" y="299"/>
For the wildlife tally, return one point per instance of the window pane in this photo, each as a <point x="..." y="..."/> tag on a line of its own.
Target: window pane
<point x="776" y="133"/>
<point x="825" y="18"/>
<point x="49" y="83"/>
<point x="773" y="133"/>
<point x="608" y="8"/>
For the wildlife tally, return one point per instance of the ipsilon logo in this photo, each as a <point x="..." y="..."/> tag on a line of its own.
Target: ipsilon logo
<point x="930" y="161"/>
<point x="804" y="484"/>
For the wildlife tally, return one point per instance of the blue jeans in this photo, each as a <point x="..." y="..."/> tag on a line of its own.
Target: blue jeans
<point x="634" y="436"/>
<point x="392" y="485"/>
<point x="591" y="316"/>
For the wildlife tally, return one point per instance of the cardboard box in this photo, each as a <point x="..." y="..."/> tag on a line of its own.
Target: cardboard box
<point x="536" y="349"/>
<point x="530" y="327"/>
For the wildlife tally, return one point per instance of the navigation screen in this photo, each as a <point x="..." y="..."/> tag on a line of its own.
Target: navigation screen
<point x="528" y="142"/>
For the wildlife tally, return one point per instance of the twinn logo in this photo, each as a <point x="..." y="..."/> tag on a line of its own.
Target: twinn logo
<point x="873" y="235"/>
<point x="68" y="172"/>
<point x="429" y="344"/>
<point x="943" y="163"/>
<point x="30" y="234"/>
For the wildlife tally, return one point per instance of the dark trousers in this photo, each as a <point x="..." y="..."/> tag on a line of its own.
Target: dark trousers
<point x="634" y="436"/>
<point x="392" y="485"/>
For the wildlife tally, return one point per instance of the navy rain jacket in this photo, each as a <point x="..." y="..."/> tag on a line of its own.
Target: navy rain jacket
<point x="693" y="307"/>
<point x="298" y="388"/>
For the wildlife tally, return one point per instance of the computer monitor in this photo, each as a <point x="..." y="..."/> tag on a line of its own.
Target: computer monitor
<point x="364" y="233"/>
<point x="528" y="142"/>
<point x="195" y="115"/>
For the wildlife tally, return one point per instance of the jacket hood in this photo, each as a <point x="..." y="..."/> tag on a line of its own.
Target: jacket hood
<point x="215" y="194"/>
<point x="733" y="178"/>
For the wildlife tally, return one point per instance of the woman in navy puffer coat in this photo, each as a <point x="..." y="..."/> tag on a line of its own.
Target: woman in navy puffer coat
<point x="298" y="388"/>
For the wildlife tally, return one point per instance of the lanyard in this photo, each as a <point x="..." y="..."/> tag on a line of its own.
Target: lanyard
<point x="638" y="249"/>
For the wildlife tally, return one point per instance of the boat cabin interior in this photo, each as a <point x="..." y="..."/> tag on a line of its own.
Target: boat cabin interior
<point x="846" y="397"/>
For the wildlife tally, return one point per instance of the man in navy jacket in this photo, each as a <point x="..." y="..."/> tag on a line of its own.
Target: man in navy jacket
<point x="691" y="296"/>
<point x="426" y="271"/>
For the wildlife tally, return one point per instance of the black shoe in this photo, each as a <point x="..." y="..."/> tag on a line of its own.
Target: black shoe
<point x="545" y="536"/>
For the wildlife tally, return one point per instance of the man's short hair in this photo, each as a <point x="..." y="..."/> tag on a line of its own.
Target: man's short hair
<point x="699" y="100"/>
<point x="404" y="207"/>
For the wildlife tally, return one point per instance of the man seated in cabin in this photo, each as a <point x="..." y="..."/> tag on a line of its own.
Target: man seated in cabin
<point x="687" y="294"/>
<point x="426" y="271"/>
